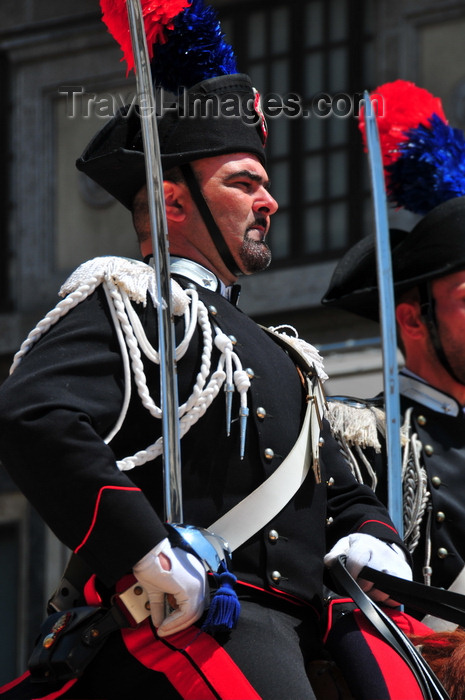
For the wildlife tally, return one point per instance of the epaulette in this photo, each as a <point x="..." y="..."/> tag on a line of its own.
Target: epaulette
<point x="132" y="277"/>
<point x="303" y="353"/>
<point x="359" y="422"/>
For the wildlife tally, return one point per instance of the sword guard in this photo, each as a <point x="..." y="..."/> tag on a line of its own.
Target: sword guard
<point x="212" y="550"/>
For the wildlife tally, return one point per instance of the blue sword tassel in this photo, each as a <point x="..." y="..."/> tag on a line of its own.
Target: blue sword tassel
<point x="225" y="607"/>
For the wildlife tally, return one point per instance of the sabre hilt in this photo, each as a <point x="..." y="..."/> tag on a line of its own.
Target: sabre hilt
<point x="215" y="554"/>
<point x="212" y="550"/>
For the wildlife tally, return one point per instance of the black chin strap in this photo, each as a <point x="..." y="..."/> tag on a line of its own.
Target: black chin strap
<point x="205" y="213"/>
<point x="427" y="307"/>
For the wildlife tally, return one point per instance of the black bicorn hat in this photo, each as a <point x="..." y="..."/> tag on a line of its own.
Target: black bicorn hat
<point x="115" y="157"/>
<point x="435" y="247"/>
<point x="216" y="110"/>
<point x="424" y="165"/>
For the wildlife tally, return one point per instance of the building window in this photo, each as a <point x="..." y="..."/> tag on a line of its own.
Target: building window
<point x="315" y="160"/>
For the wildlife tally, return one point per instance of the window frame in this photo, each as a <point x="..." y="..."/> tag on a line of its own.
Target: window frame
<point x="235" y="18"/>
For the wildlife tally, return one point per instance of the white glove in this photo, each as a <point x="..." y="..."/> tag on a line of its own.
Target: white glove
<point x="365" y="550"/>
<point x="178" y="574"/>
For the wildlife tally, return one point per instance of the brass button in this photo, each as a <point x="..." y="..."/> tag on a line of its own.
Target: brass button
<point x="442" y="553"/>
<point x="429" y="449"/>
<point x="250" y="373"/>
<point x="233" y="339"/>
<point x="330" y="481"/>
<point x="329" y="521"/>
<point x="269" y="454"/>
<point x="138" y="590"/>
<point x="276" y="576"/>
<point x="261" y="413"/>
<point x="440" y="516"/>
<point x="273" y="535"/>
<point x="436" y="481"/>
<point x="421" y="420"/>
<point x="321" y="442"/>
<point x="213" y="310"/>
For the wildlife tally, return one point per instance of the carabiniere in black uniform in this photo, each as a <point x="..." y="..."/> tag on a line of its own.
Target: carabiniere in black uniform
<point x="66" y="394"/>
<point x="439" y="422"/>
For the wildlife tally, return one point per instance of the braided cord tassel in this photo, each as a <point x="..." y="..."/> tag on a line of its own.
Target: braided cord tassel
<point x="225" y="607"/>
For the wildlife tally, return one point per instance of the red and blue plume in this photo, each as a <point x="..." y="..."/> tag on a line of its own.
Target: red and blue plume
<point x="423" y="157"/>
<point x="194" y="50"/>
<point x="158" y="19"/>
<point x="184" y="38"/>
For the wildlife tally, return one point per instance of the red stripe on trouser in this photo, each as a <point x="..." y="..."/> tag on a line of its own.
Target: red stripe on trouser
<point x="193" y="662"/>
<point x="58" y="693"/>
<point x="16" y="681"/>
<point x="50" y="696"/>
<point x="399" y="679"/>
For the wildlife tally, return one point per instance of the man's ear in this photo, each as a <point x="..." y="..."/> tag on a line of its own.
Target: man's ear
<point x="175" y="197"/>
<point x="410" y="320"/>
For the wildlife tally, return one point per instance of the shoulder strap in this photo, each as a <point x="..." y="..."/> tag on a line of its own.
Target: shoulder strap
<point x="250" y="515"/>
<point x="261" y="506"/>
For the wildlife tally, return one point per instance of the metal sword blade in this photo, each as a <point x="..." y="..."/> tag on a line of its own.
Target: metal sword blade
<point x="387" y="318"/>
<point x="159" y="230"/>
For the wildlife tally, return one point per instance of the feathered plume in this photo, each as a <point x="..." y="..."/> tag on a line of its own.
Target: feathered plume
<point x="184" y="39"/>
<point x="195" y="50"/>
<point x="158" y="18"/>
<point x="423" y="157"/>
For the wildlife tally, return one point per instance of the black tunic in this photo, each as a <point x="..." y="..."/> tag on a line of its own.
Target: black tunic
<point x="437" y="421"/>
<point x="440" y="424"/>
<point x="65" y="396"/>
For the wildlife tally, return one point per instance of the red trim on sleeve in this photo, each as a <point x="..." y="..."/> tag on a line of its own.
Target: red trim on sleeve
<point x="97" y="505"/>
<point x="192" y="661"/>
<point x="378" y="522"/>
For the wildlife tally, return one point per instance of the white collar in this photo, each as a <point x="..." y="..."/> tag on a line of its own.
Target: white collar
<point x="199" y="274"/>
<point x="413" y="387"/>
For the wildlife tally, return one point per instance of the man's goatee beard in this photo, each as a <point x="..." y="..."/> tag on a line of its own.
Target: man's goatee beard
<point x="255" y="255"/>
